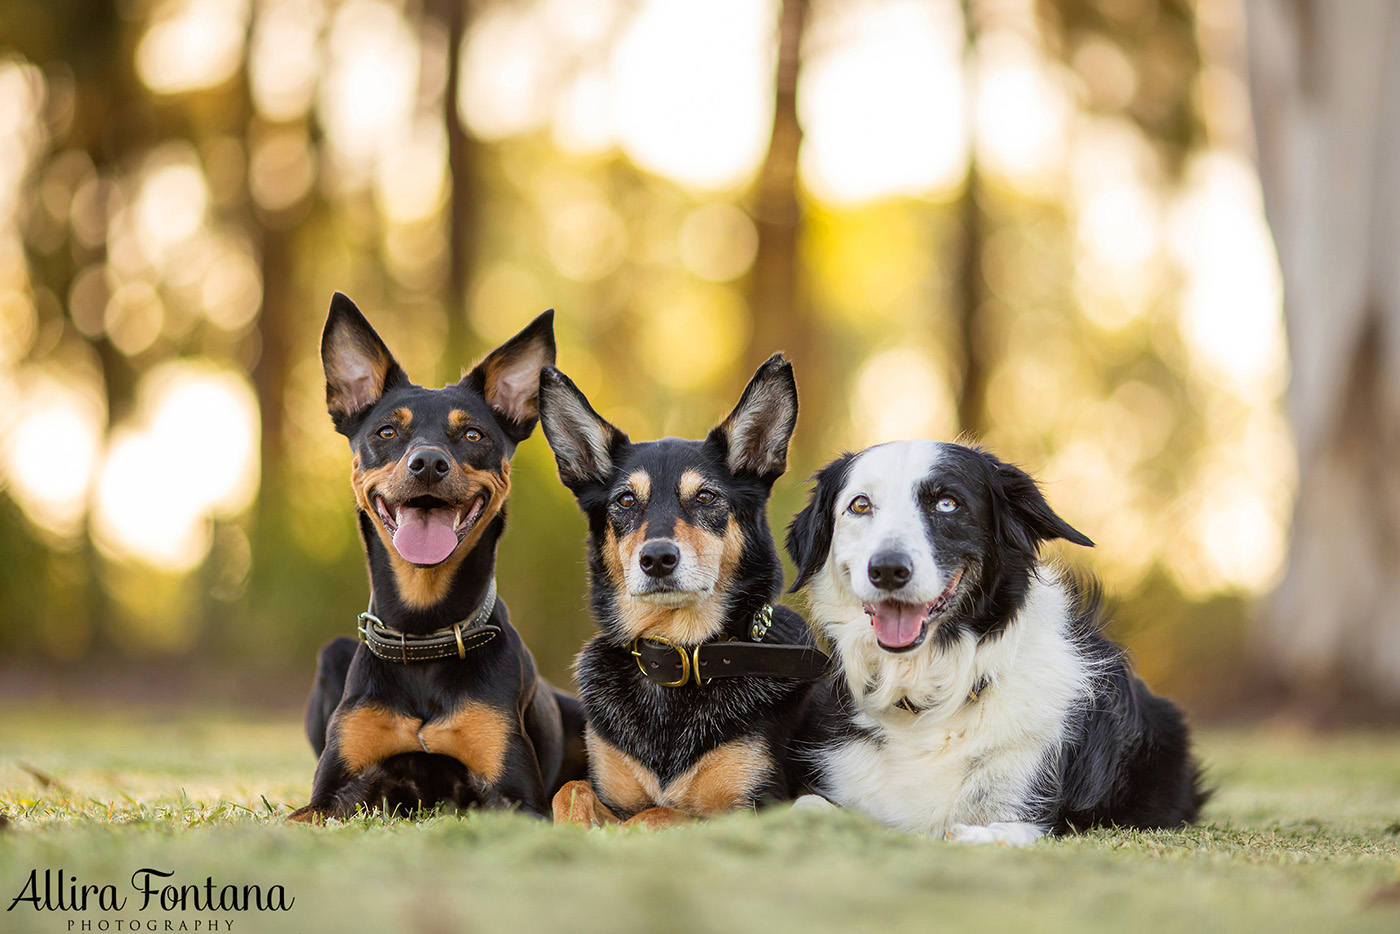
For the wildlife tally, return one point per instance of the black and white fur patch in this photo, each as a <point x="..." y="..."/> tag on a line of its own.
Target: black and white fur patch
<point x="978" y="698"/>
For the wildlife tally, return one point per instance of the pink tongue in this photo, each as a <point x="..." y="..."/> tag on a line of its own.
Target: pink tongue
<point x="425" y="536"/>
<point x="896" y="624"/>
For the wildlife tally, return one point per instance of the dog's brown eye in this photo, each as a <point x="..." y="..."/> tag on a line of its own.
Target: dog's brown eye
<point x="627" y="500"/>
<point x="946" y="504"/>
<point x="705" y="497"/>
<point x="860" y="505"/>
<point x="473" y="435"/>
<point x="386" y="432"/>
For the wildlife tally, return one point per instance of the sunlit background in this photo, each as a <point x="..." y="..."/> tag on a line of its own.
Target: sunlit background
<point x="1033" y="223"/>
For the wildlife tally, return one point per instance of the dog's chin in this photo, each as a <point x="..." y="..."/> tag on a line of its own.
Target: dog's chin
<point x="671" y="599"/>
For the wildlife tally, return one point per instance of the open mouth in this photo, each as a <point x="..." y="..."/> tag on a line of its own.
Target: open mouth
<point x="900" y="627"/>
<point x="425" y="529"/>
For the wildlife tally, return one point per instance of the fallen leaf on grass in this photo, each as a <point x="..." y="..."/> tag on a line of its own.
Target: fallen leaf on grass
<point x="44" y="779"/>
<point x="1385" y="895"/>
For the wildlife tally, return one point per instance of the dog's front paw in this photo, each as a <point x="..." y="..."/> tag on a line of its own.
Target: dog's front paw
<point x="308" y="815"/>
<point x="1003" y="833"/>
<point x="812" y="803"/>
<point x="577" y="803"/>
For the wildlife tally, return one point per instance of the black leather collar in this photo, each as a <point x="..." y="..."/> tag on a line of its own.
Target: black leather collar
<point x="394" y="645"/>
<point x="675" y="666"/>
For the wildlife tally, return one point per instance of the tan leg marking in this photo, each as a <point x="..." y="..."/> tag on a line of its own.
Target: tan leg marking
<point x="578" y="803"/>
<point x="476" y="735"/>
<point x="623" y="780"/>
<point x="370" y="734"/>
<point x="725" y="778"/>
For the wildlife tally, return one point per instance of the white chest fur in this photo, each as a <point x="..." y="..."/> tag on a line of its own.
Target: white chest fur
<point x="960" y="761"/>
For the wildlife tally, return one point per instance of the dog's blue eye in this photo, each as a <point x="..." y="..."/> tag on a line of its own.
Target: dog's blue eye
<point x="946" y="504"/>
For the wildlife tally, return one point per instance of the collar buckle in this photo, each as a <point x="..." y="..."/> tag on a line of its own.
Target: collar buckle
<point x="687" y="664"/>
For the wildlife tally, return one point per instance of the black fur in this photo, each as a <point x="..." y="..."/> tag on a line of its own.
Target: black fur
<point x="544" y="748"/>
<point x="1127" y="761"/>
<point x="668" y="729"/>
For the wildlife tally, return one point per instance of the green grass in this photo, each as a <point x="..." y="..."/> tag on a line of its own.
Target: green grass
<point x="1303" y="835"/>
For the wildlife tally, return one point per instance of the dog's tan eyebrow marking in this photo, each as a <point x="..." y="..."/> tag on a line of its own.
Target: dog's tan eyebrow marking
<point x="403" y="416"/>
<point x="640" y="482"/>
<point x="690" y="484"/>
<point x="457" y="419"/>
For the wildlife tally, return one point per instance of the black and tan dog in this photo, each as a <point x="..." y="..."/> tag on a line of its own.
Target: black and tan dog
<point x="696" y="683"/>
<point x="440" y="702"/>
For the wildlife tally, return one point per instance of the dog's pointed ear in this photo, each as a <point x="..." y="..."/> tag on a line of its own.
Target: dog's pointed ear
<point x="358" y="366"/>
<point x="509" y="376"/>
<point x="809" y="536"/>
<point x="1026" y="517"/>
<point x="755" y="435"/>
<point x="585" y="444"/>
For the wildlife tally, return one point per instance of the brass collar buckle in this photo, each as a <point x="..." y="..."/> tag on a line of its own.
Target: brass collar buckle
<point x="690" y="661"/>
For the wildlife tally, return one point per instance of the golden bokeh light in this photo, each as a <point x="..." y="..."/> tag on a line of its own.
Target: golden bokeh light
<point x="192" y="44"/>
<point x="53" y="430"/>
<point x="882" y="101"/>
<point x="899" y="395"/>
<point x="189" y="454"/>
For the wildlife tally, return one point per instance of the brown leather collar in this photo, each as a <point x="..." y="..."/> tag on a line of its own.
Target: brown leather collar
<point x="394" y="645"/>
<point x="973" y="696"/>
<point x="675" y="666"/>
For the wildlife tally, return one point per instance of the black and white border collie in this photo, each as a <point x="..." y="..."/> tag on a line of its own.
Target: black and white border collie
<point x="979" y="699"/>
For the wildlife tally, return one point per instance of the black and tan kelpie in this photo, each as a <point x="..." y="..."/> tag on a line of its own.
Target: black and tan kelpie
<point x="696" y="682"/>
<point x="439" y="702"/>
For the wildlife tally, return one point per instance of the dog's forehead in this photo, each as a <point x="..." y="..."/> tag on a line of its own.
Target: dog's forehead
<point x="437" y="406"/>
<point x="894" y="468"/>
<point x="667" y="461"/>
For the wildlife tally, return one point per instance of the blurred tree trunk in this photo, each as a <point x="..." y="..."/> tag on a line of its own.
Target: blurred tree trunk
<point x="782" y="319"/>
<point x="1326" y="91"/>
<point x="462" y="217"/>
<point x="969" y="291"/>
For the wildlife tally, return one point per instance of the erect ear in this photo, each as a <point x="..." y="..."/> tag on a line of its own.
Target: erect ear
<point x="359" y="368"/>
<point x="509" y="376"/>
<point x="809" y="536"/>
<point x="585" y="444"/>
<point x="1026" y="518"/>
<point x="756" y="434"/>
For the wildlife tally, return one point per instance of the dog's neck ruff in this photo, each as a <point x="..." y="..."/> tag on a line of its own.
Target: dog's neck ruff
<point x="674" y="666"/>
<point x="395" y="645"/>
<point x="973" y="696"/>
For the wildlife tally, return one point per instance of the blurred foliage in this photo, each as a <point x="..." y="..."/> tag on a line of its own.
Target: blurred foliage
<point x="184" y="183"/>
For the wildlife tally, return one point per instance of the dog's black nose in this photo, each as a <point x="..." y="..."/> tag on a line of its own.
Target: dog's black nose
<point x="429" y="464"/>
<point x="659" y="558"/>
<point x="890" y="570"/>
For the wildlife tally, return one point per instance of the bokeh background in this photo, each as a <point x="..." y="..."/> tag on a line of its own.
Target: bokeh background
<point x="1037" y="223"/>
